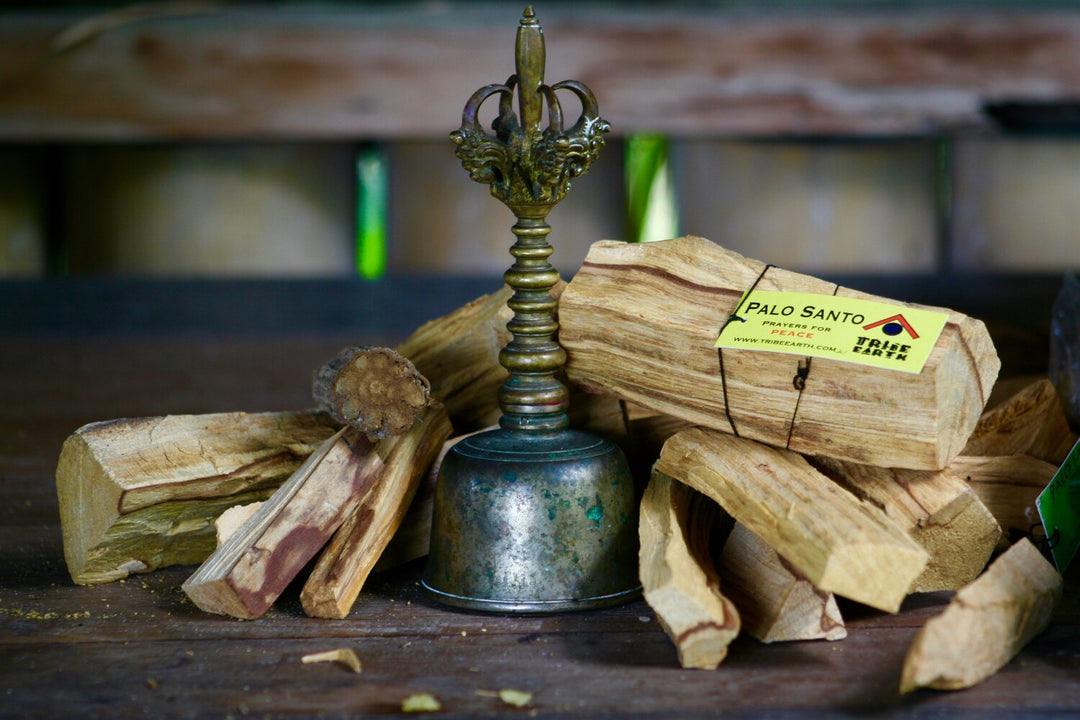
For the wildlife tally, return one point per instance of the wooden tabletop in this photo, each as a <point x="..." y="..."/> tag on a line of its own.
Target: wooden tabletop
<point x="139" y="649"/>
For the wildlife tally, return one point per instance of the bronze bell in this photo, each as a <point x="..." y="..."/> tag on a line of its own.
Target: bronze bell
<point x="532" y="517"/>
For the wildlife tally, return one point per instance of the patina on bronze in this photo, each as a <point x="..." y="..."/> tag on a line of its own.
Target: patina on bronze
<point x="532" y="517"/>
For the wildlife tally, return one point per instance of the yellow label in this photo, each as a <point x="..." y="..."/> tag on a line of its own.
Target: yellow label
<point x="849" y="329"/>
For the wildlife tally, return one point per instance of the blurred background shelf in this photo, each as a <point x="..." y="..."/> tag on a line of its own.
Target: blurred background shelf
<point x="183" y="139"/>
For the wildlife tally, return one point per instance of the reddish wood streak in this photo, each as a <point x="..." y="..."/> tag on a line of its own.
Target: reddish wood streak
<point x="702" y="627"/>
<point x="667" y="276"/>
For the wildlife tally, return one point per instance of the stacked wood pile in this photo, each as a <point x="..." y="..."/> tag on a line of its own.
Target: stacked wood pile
<point x="765" y="501"/>
<point x="851" y="483"/>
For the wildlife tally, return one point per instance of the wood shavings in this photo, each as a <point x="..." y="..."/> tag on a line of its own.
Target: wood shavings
<point x="517" y="698"/>
<point x="342" y="656"/>
<point x="421" y="702"/>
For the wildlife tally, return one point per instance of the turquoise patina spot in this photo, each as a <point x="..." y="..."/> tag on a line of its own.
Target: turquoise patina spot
<point x="595" y="513"/>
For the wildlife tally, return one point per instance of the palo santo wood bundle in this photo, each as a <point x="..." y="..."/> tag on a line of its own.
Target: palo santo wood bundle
<point x="640" y="321"/>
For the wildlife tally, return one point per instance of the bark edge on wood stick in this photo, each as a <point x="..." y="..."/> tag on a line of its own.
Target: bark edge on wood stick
<point x="373" y="389"/>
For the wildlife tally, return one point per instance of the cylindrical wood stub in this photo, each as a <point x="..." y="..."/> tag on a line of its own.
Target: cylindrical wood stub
<point x="532" y="398"/>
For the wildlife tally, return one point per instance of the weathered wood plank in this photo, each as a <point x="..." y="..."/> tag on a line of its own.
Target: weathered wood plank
<point x="407" y="71"/>
<point x="97" y="649"/>
<point x="1014" y="204"/>
<point x="841" y="207"/>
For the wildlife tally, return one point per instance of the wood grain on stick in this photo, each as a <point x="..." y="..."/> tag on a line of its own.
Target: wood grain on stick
<point x="936" y="507"/>
<point x="986" y="623"/>
<point x="244" y="576"/>
<point x="459" y="355"/>
<point x="1031" y="422"/>
<point x="776" y="602"/>
<point x="640" y="320"/>
<point x="678" y="577"/>
<point x="838" y="542"/>
<point x="345" y="564"/>
<point x="1008" y="486"/>
<point x="143" y="493"/>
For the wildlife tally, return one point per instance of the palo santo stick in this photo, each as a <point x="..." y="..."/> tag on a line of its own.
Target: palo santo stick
<point x="140" y="494"/>
<point x="776" y="603"/>
<point x="374" y="389"/>
<point x="459" y="354"/>
<point x="243" y="577"/>
<point x="1008" y="486"/>
<point x="1031" y="422"/>
<point x="345" y="564"/>
<point x="639" y="320"/>
<point x="677" y="575"/>
<point x="937" y="508"/>
<point x="413" y="537"/>
<point x="985" y="624"/>
<point x="840" y="544"/>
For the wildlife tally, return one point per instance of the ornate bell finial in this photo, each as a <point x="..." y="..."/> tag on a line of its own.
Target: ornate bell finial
<point x="526" y="162"/>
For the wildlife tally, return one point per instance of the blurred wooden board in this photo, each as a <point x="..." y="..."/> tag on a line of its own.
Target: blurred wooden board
<point x="202" y="70"/>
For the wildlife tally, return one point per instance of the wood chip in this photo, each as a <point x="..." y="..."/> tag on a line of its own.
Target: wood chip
<point x="421" y="702"/>
<point x="517" y="698"/>
<point x="342" y="656"/>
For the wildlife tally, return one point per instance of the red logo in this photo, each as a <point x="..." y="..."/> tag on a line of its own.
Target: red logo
<point x="893" y="326"/>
